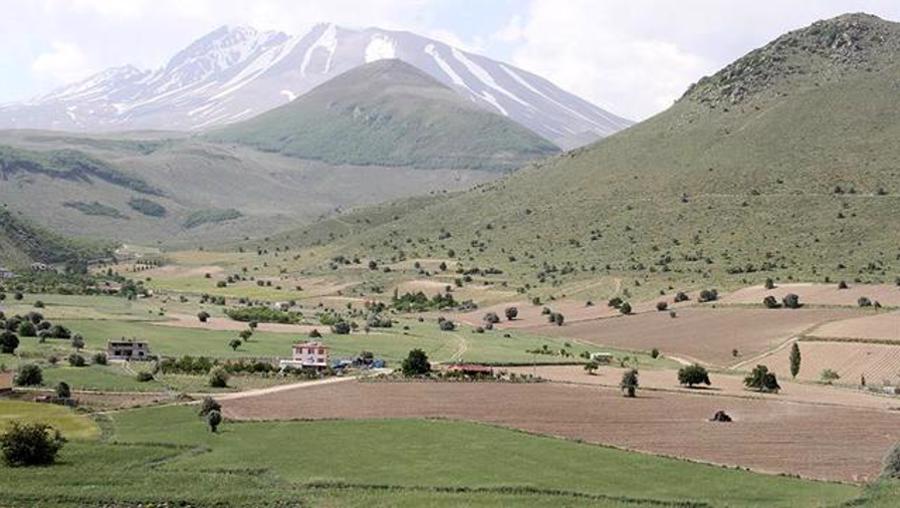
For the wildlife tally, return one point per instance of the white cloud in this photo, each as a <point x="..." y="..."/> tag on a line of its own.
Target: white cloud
<point x="64" y="63"/>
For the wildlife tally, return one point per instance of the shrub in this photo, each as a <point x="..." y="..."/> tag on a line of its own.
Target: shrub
<point x="864" y="302"/>
<point x="144" y="377"/>
<point x="27" y="329"/>
<point x="629" y="383"/>
<point x="654" y="353"/>
<point x="415" y="364"/>
<point x="60" y="332"/>
<point x="513" y="312"/>
<point x="891" y="464"/>
<point x="590" y="367"/>
<point x="770" y="284"/>
<point x="691" y="375"/>
<point x="100" y="359"/>
<point x="213" y="419"/>
<point x="446" y="325"/>
<point x="795" y="359"/>
<point x="681" y="296"/>
<point x="29" y="375"/>
<point x="842" y="285"/>
<point x="76" y="360"/>
<point x="709" y="295"/>
<point x="761" y="380"/>
<point x="492" y="318"/>
<point x="625" y="308"/>
<point x="662" y="306"/>
<point x="614" y="302"/>
<point x="341" y="328"/>
<point x="9" y="342"/>
<point x="218" y="378"/>
<point x="829" y="376"/>
<point x="209" y="404"/>
<point x="203" y="316"/>
<point x="234" y="344"/>
<point x="771" y="302"/>
<point x="77" y="341"/>
<point x="63" y="391"/>
<point x="30" y="444"/>
<point x="791" y="301"/>
<point x="314" y="334"/>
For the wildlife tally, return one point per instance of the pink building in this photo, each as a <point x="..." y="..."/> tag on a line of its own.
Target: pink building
<point x="309" y="354"/>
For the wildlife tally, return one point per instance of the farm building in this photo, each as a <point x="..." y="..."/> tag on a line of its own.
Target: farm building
<point x="6" y="380"/>
<point x="469" y="369"/>
<point x="127" y="350"/>
<point x="308" y="354"/>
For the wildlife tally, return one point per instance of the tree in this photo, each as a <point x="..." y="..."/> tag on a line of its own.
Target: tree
<point x="691" y="375"/>
<point x="654" y="353"/>
<point x="8" y="342"/>
<point x="208" y="405"/>
<point x="341" y="328"/>
<point x="63" y="391"/>
<point x="203" y="316"/>
<point x="864" y="301"/>
<point x="100" y="359"/>
<point x="415" y="364"/>
<point x="512" y="313"/>
<point x="213" y="419"/>
<point x="76" y="360"/>
<point x="891" y="465"/>
<point x="770" y="284"/>
<point x="842" y="285"/>
<point x="791" y="301"/>
<point x="709" y="295"/>
<point x="27" y="329"/>
<point x="446" y="325"/>
<point x="234" y="344"/>
<point x="557" y="318"/>
<point x="662" y="306"/>
<point x="761" y="380"/>
<point x="492" y="318"/>
<point x="629" y="384"/>
<point x="795" y="360"/>
<point x="770" y="302"/>
<point x="29" y="375"/>
<point x="625" y="308"/>
<point x="590" y="367"/>
<point x="77" y="342"/>
<point x="218" y="378"/>
<point x="30" y="444"/>
<point x="245" y="335"/>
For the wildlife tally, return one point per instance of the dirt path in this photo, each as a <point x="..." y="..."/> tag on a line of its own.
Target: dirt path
<point x="281" y="388"/>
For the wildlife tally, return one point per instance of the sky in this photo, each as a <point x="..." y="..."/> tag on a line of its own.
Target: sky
<point x="632" y="57"/>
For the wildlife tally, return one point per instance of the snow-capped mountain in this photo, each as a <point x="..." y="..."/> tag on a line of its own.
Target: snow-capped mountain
<point x="234" y="73"/>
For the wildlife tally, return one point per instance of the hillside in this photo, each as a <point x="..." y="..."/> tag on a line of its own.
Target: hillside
<point x="22" y="242"/>
<point x="167" y="187"/>
<point x="784" y="164"/>
<point x="389" y="113"/>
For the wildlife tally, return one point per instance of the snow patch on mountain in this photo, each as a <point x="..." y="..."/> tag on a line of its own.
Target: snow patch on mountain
<point x="380" y="48"/>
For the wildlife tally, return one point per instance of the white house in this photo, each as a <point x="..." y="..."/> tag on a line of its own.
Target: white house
<point x="308" y="354"/>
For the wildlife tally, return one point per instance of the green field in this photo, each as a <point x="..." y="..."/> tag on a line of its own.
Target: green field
<point x="70" y="424"/>
<point x="405" y="462"/>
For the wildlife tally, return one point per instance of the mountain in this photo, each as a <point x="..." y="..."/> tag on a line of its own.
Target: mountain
<point x="784" y="164"/>
<point x="235" y="73"/>
<point x="22" y="242"/>
<point x="389" y="113"/>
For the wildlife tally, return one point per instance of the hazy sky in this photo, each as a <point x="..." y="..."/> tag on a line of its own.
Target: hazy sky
<point x="633" y="57"/>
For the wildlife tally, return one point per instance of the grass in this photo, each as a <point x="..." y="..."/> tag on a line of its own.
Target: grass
<point x="69" y="423"/>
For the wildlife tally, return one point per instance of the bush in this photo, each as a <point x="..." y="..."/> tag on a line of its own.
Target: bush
<point x="770" y="284"/>
<point x="263" y="315"/>
<point x="234" y="344"/>
<point x="63" y="391"/>
<point x="791" y="301"/>
<point x="314" y="334"/>
<point x="209" y="404"/>
<point x="691" y="375"/>
<point x="842" y="285"/>
<point x="662" y="306"/>
<point x="76" y="360"/>
<point x="891" y="465"/>
<point x="629" y="383"/>
<point x="829" y="376"/>
<point x="625" y="308"/>
<point x="761" y="380"/>
<point x="100" y="359"/>
<point x="513" y="312"/>
<point x="771" y="302"/>
<point x="77" y="341"/>
<point x="9" y="342"/>
<point x="446" y="325"/>
<point x="654" y="353"/>
<point x="29" y="375"/>
<point x="60" y="332"/>
<point x="218" y="378"/>
<point x="203" y="316"/>
<point x="30" y="444"/>
<point x="590" y="367"/>
<point x="144" y="377"/>
<point x="213" y="419"/>
<point x="864" y="302"/>
<point x="415" y="364"/>
<point x="27" y="329"/>
<point x="709" y="295"/>
<point x="341" y="328"/>
<point x="681" y="296"/>
<point x="492" y="318"/>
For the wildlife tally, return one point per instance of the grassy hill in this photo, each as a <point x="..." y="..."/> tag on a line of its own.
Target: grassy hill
<point x="22" y="242"/>
<point x="175" y="189"/>
<point x="784" y="164"/>
<point x="389" y="113"/>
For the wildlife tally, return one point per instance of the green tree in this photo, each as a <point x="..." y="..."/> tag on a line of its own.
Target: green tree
<point x="77" y="342"/>
<point x="245" y="335"/>
<point x="234" y="344"/>
<point x="203" y="316"/>
<point x="76" y="360"/>
<point x="29" y="375"/>
<point x="415" y="364"/>
<point x="27" y="329"/>
<point x="625" y="308"/>
<point x="30" y="444"/>
<point x="791" y="301"/>
<point x="591" y="367"/>
<point x="213" y="419"/>
<point x="795" y="360"/>
<point x="629" y="383"/>
<point x="208" y="405"/>
<point x="511" y="313"/>
<point x="691" y="375"/>
<point x="9" y="342"/>
<point x="218" y="378"/>
<point x="761" y="380"/>
<point x="63" y="391"/>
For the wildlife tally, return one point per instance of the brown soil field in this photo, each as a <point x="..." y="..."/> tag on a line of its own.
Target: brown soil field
<point x="820" y="294"/>
<point x="878" y="362"/>
<point x="881" y="326"/>
<point x="723" y="385"/>
<point x="702" y="334"/>
<point x="817" y="441"/>
<point x="217" y="323"/>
